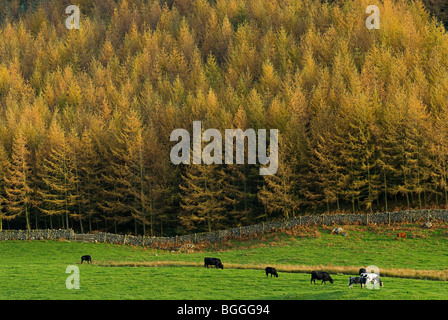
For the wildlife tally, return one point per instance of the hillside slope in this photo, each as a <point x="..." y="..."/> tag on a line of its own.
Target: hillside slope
<point x="86" y="115"/>
<point x="36" y="269"/>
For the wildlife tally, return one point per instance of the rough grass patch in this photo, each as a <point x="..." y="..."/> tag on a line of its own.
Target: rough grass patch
<point x="332" y="269"/>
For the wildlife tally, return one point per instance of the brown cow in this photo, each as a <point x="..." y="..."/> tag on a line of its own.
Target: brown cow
<point x="402" y="235"/>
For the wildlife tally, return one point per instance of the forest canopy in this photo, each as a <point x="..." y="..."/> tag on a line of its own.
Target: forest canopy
<point x="86" y="114"/>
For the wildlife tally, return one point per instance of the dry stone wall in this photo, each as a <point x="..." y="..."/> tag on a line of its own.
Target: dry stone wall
<point x="217" y="236"/>
<point x="47" y="234"/>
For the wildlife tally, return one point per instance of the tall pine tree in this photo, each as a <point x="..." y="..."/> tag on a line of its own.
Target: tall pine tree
<point x="17" y="179"/>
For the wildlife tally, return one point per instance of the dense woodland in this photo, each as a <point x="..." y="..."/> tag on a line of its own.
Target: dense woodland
<point x="86" y="115"/>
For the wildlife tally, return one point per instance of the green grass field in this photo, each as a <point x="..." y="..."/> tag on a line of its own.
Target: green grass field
<point x="415" y="268"/>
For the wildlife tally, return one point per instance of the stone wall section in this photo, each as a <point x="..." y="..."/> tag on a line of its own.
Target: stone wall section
<point x="188" y="241"/>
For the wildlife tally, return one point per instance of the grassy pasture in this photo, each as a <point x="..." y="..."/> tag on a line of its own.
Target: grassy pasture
<point x="414" y="268"/>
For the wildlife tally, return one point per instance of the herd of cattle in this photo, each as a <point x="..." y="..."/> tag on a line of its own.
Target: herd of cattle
<point x="365" y="278"/>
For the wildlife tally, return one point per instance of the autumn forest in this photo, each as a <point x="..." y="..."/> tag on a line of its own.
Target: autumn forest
<point x="86" y="114"/>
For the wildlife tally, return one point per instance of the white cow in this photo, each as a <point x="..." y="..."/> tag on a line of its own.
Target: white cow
<point x="372" y="278"/>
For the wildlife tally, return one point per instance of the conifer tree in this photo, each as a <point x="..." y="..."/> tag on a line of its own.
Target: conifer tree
<point x="278" y="193"/>
<point x="325" y="177"/>
<point x="17" y="179"/>
<point x="358" y="158"/>
<point x="125" y="178"/>
<point x="203" y="201"/>
<point x="241" y="183"/>
<point x="59" y="195"/>
<point x="388" y="160"/>
<point x="438" y="151"/>
<point x="4" y="167"/>
<point x="89" y="176"/>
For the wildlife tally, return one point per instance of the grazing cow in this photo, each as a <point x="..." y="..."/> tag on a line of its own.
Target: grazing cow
<point x="321" y="275"/>
<point x="356" y="280"/>
<point x="213" y="262"/>
<point x="402" y="235"/>
<point x="86" y="258"/>
<point x="271" y="271"/>
<point x="362" y="270"/>
<point x="372" y="278"/>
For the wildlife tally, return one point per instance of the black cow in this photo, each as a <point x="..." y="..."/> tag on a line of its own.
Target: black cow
<point x="320" y="275"/>
<point x="271" y="271"/>
<point x="362" y="270"/>
<point x="356" y="280"/>
<point x="86" y="258"/>
<point x="213" y="262"/>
